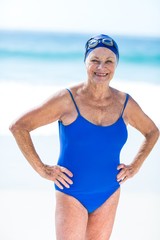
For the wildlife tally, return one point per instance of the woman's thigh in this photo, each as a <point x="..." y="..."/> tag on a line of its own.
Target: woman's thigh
<point x="100" y="222"/>
<point x="70" y="217"/>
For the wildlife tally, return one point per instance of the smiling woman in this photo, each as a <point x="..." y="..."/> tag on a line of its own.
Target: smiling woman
<point x="101" y="58"/>
<point x="92" y="118"/>
<point x="101" y="64"/>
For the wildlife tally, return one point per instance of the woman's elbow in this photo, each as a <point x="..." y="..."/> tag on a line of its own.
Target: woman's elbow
<point x="155" y="133"/>
<point x="14" y="127"/>
<point x="17" y="126"/>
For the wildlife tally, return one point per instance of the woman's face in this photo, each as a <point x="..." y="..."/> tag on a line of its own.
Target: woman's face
<point x="101" y="64"/>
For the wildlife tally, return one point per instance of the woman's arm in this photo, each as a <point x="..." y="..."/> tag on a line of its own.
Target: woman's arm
<point x="50" y="111"/>
<point x="139" y="120"/>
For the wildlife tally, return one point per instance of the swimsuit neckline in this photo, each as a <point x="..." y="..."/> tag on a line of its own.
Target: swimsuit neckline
<point x="102" y="126"/>
<point x="93" y="124"/>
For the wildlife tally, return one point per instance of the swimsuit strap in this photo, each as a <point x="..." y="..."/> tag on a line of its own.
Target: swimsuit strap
<point x="124" y="106"/>
<point x="73" y="100"/>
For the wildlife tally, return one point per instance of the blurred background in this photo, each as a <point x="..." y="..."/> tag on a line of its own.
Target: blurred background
<point x="42" y="51"/>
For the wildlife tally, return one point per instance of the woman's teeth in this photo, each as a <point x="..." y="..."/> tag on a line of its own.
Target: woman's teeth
<point x="101" y="74"/>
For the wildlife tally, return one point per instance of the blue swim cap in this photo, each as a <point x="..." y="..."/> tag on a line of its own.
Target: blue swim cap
<point x="101" y="40"/>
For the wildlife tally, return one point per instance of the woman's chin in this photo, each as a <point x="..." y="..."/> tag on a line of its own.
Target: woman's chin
<point x="101" y="80"/>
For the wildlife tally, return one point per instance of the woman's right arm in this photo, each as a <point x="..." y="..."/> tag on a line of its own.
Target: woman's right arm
<point x="51" y="110"/>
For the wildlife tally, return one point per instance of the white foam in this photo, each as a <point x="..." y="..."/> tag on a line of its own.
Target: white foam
<point x="17" y="98"/>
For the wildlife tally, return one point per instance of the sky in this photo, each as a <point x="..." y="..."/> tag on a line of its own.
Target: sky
<point x="123" y="17"/>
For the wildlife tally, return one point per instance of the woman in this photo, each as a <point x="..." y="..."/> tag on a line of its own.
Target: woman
<point x="92" y="126"/>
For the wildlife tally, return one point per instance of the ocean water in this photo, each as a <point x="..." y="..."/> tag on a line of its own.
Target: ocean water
<point x="53" y="58"/>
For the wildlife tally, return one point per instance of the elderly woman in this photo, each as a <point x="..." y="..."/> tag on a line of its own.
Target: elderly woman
<point x="92" y="119"/>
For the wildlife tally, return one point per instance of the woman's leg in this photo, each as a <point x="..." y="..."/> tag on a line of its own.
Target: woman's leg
<point x="71" y="218"/>
<point x="100" y="222"/>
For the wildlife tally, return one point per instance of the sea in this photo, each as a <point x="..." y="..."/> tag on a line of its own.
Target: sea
<point x="57" y="58"/>
<point x="35" y="65"/>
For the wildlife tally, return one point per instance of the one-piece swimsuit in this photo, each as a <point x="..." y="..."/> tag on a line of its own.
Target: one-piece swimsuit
<point x="92" y="153"/>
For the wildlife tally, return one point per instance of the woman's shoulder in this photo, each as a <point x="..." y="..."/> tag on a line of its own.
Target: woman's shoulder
<point x="76" y="87"/>
<point x="131" y="103"/>
<point x="63" y="94"/>
<point x="120" y="95"/>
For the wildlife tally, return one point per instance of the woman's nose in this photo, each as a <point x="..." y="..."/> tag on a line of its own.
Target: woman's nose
<point x="101" y="65"/>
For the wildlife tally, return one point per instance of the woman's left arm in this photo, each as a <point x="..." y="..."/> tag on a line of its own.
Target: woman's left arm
<point x="135" y="116"/>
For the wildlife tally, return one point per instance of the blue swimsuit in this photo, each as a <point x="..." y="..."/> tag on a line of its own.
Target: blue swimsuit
<point x="92" y="153"/>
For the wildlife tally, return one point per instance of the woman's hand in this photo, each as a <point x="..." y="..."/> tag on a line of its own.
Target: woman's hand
<point x="57" y="174"/>
<point x="126" y="172"/>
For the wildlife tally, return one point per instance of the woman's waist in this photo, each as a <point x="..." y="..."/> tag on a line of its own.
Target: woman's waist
<point x="88" y="160"/>
<point x="91" y="171"/>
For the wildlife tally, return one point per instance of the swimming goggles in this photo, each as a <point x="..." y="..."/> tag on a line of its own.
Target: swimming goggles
<point x="92" y="43"/>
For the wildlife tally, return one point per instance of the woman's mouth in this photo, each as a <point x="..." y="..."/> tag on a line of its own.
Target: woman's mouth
<point x="101" y="74"/>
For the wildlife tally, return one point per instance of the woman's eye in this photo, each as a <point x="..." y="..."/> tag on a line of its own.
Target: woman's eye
<point x="108" y="61"/>
<point x="94" y="60"/>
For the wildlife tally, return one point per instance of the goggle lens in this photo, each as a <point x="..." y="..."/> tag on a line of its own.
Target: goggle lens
<point x="94" y="42"/>
<point x="107" y="41"/>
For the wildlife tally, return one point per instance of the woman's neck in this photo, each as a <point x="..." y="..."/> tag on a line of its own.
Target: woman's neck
<point x="97" y="91"/>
